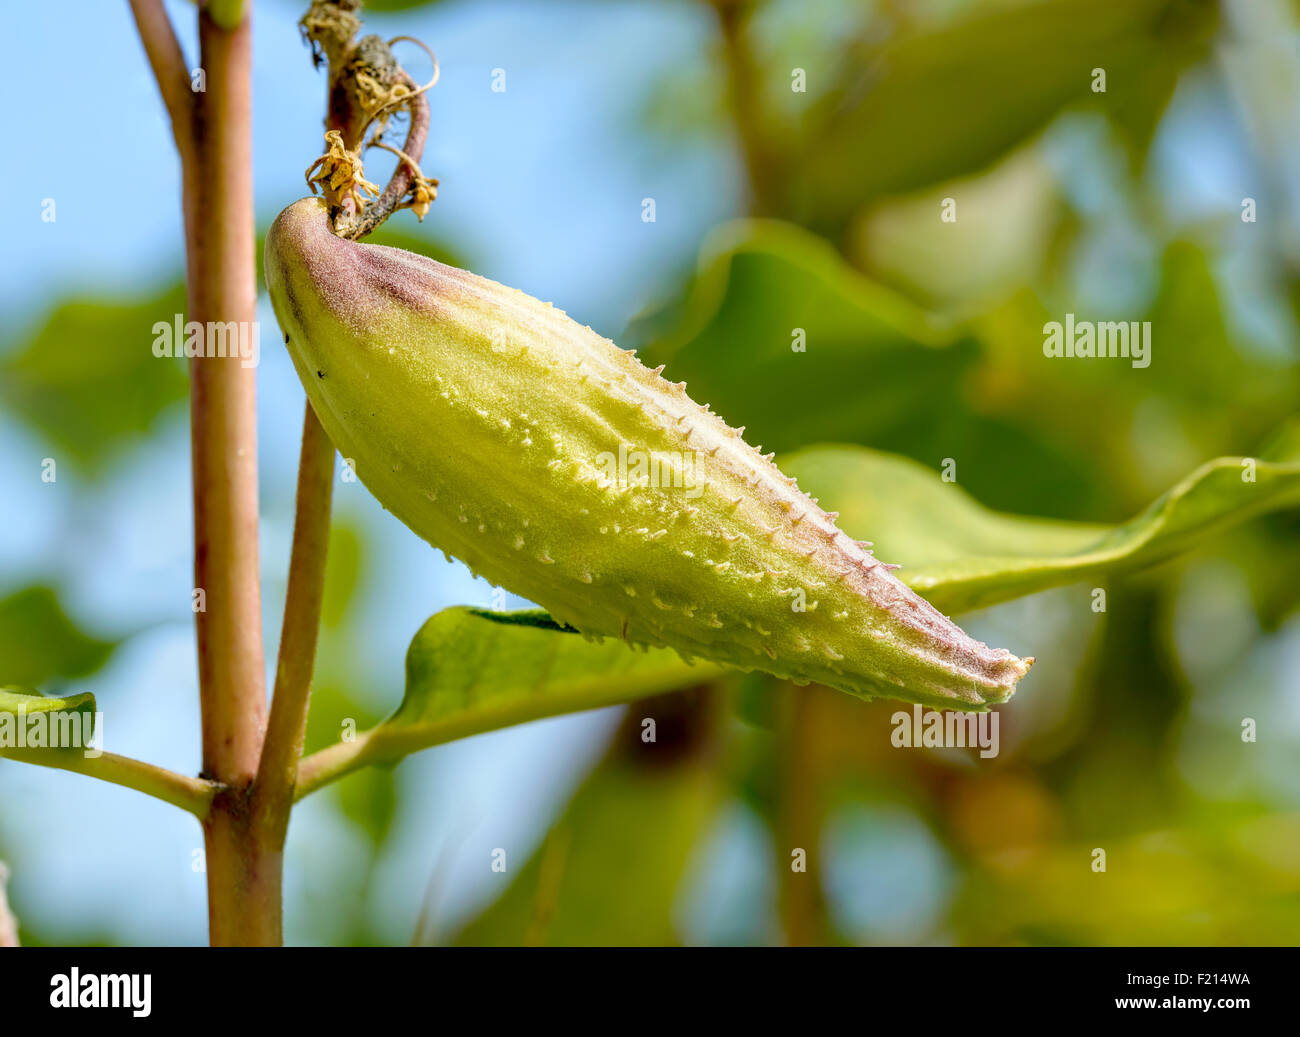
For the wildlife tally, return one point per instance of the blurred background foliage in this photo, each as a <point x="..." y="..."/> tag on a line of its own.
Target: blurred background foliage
<point x="923" y="344"/>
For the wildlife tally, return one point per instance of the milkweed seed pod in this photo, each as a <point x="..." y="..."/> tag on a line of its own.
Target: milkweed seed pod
<point x="556" y="465"/>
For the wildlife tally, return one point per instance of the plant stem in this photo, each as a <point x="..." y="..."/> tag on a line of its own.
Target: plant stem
<point x="799" y="815"/>
<point x="168" y="64"/>
<point x="278" y="770"/>
<point x="224" y="415"/>
<point x="192" y="794"/>
<point x="332" y="763"/>
<point x="745" y="95"/>
<point x="213" y="131"/>
<point x="243" y="887"/>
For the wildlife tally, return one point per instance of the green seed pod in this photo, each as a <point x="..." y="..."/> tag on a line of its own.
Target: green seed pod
<point x="557" y="466"/>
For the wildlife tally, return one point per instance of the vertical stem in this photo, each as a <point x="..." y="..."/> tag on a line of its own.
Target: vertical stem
<point x="243" y="881"/>
<point x="278" y="771"/>
<point x="745" y="94"/>
<point x="168" y="66"/>
<point x="799" y="820"/>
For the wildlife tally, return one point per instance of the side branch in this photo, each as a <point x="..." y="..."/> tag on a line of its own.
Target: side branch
<point x="163" y="50"/>
<point x="192" y="794"/>
<point x="278" y="769"/>
<point x="332" y="763"/>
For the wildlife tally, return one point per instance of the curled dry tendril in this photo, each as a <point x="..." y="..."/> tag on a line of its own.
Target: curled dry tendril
<point x="368" y="86"/>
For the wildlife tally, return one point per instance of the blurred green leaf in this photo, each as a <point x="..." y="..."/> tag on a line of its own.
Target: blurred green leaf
<point x="39" y="642"/>
<point x="871" y="359"/>
<point x="1204" y="392"/>
<point x="470" y="670"/>
<point x="334" y="713"/>
<point x="882" y="372"/>
<point x="342" y="572"/>
<point x="1214" y="379"/>
<point x="1214" y="885"/>
<point x="608" y="873"/>
<point x="962" y="556"/>
<point x="369" y="800"/>
<point x="88" y="381"/>
<point x="1284" y="444"/>
<point x="938" y="103"/>
<point x="877" y="369"/>
<point x="1010" y="214"/>
<point x="629" y="829"/>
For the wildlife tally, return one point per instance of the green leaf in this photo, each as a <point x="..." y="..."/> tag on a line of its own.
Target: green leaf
<point x="628" y="828"/>
<point x="960" y="555"/>
<point x="88" y="381"/>
<point x="369" y="801"/>
<point x="935" y="104"/>
<point x="759" y="283"/>
<point x="343" y="571"/>
<point x="1206" y="392"/>
<point x="470" y="670"/>
<point x="876" y="369"/>
<point x="632" y="825"/>
<point x="17" y="702"/>
<point x="1221" y="881"/>
<point x="880" y="371"/>
<point x="39" y="643"/>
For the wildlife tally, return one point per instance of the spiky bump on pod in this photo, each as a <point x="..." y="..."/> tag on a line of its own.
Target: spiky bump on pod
<point x="558" y="466"/>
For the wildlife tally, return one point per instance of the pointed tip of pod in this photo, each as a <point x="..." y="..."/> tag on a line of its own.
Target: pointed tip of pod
<point x="1004" y="677"/>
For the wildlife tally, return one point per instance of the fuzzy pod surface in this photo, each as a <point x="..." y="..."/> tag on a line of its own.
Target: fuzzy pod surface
<point x="556" y="465"/>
